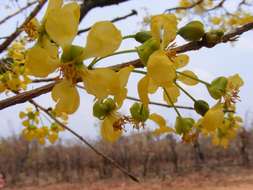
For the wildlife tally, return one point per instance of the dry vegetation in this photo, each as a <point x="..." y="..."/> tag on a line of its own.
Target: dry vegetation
<point x="158" y="162"/>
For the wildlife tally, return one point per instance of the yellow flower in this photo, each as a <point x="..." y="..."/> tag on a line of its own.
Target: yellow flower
<point x="213" y="119"/>
<point x="103" y="39"/>
<point x="66" y="97"/>
<point x="173" y="92"/>
<point x="216" y="20"/>
<point x="108" y="131"/>
<point x="40" y="63"/>
<point x="104" y="82"/>
<point x="187" y="77"/>
<point x="161" y="69"/>
<point x="62" y="23"/>
<point x="160" y="121"/>
<point x="164" y="28"/>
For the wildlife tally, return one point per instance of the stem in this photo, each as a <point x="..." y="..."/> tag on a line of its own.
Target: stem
<point x="116" y="53"/>
<point x="128" y="36"/>
<point x="140" y="72"/>
<point x="160" y="104"/>
<point x="168" y="96"/>
<point x="188" y="94"/>
<point x="201" y="81"/>
<point x="113" y="162"/>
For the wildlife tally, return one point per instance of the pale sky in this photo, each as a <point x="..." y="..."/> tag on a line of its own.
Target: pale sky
<point x="207" y="64"/>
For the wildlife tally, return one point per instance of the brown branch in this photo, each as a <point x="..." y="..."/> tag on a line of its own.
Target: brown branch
<point x="185" y="7"/>
<point x="45" y="80"/>
<point x="191" y="46"/>
<point x="110" y="160"/>
<point x="18" y="31"/>
<point x="29" y="4"/>
<point x="87" y="5"/>
<point x="25" y="96"/>
<point x="134" y="12"/>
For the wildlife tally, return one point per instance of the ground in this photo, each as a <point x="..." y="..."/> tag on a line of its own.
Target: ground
<point x="205" y="180"/>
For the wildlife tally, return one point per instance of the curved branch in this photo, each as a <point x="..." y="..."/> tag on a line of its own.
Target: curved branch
<point x="185" y="7"/>
<point x="113" y="162"/>
<point x="18" y="31"/>
<point x="29" y="4"/>
<point x="25" y="96"/>
<point x="134" y="12"/>
<point x="87" y="5"/>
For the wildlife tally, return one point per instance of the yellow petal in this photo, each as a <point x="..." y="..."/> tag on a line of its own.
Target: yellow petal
<point x="108" y="132"/>
<point x="103" y="39"/>
<point x="50" y="47"/>
<point x="164" y="27"/>
<point x="66" y="97"/>
<point x="173" y="93"/>
<point x="181" y="61"/>
<point x="161" y="69"/>
<point x="186" y="78"/>
<point x="120" y="97"/>
<point x="152" y="87"/>
<point x="235" y="82"/>
<point x="62" y="24"/>
<point x="143" y="90"/>
<point x="101" y="82"/>
<point x="213" y="119"/>
<point x="162" y="130"/>
<point x="123" y="75"/>
<point x="39" y="63"/>
<point x="53" y="4"/>
<point x="159" y="120"/>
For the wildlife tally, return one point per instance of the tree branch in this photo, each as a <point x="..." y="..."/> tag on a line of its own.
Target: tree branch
<point x="29" y="4"/>
<point x="87" y="5"/>
<point x="25" y="96"/>
<point x="185" y="7"/>
<point x="134" y="12"/>
<point x="18" y="31"/>
<point x="113" y="162"/>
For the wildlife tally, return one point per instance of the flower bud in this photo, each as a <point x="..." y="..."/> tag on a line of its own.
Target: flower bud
<point x="214" y="36"/>
<point x="201" y="107"/>
<point x="217" y="88"/>
<point x="139" y="112"/>
<point x="142" y="36"/>
<point x="192" y="31"/>
<point x="146" y="49"/>
<point x="71" y="53"/>
<point x="102" y="108"/>
<point x="183" y="125"/>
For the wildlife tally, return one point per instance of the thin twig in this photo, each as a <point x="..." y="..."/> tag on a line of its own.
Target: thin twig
<point x="160" y="104"/>
<point x="113" y="162"/>
<point x="134" y="12"/>
<point x="18" y="31"/>
<point x="29" y="4"/>
<point x="184" y="7"/>
<point x="25" y="96"/>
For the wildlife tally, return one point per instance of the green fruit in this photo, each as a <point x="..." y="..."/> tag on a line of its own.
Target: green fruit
<point x="142" y="36"/>
<point x="110" y="104"/>
<point x="193" y="31"/>
<point x="217" y="88"/>
<point x="102" y="108"/>
<point x="183" y="125"/>
<point x="71" y="53"/>
<point x="214" y="36"/>
<point x="146" y="49"/>
<point x="139" y="112"/>
<point x="201" y="107"/>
